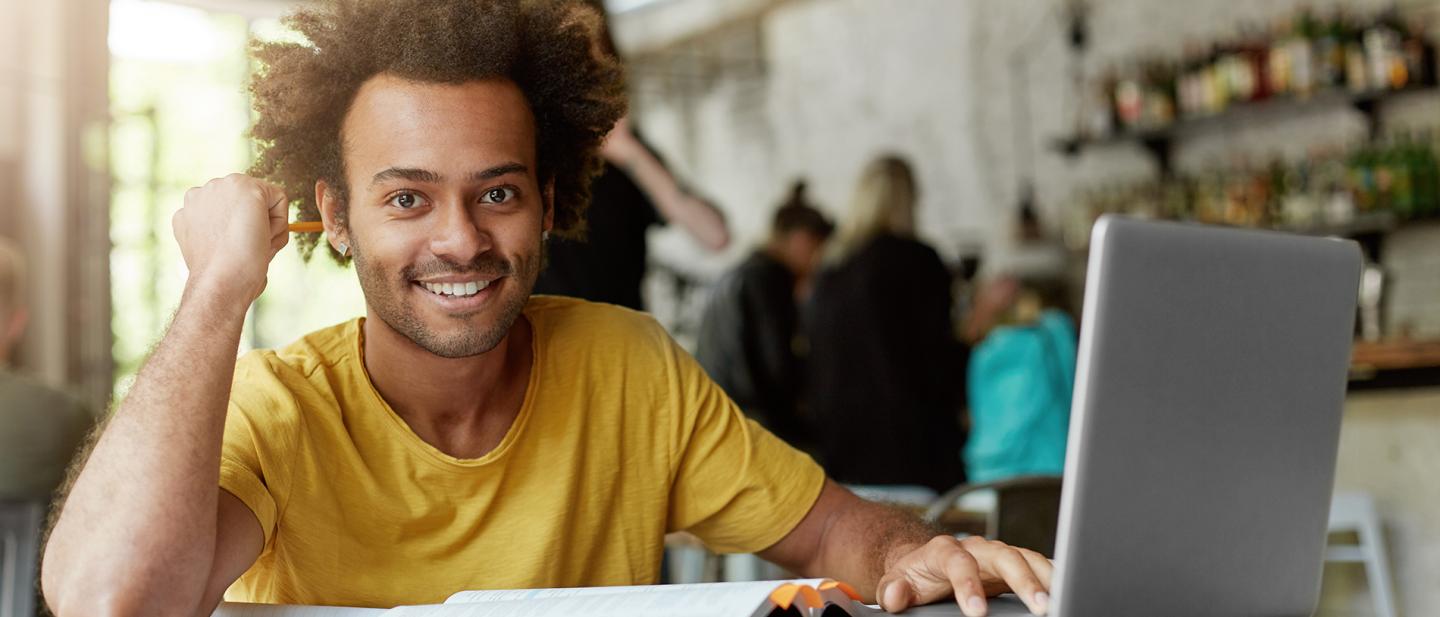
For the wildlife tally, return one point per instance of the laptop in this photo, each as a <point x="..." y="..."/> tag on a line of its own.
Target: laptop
<point x="1205" y="423"/>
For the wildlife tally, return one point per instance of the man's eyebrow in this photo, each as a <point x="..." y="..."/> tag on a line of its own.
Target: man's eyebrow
<point x="405" y="173"/>
<point x="497" y="171"/>
<point x="425" y="175"/>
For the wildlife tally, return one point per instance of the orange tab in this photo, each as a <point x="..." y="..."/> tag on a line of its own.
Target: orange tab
<point x="812" y="597"/>
<point x="784" y="595"/>
<point x="844" y="588"/>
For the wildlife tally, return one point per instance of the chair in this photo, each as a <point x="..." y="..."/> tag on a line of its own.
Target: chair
<point x="20" y="523"/>
<point x="1026" y="511"/>
<point x="1355" y="512"/>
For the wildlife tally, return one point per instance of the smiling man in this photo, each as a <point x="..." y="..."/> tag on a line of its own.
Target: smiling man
<point x="464" y="434"/>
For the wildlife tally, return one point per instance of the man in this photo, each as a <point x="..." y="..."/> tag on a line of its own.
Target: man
<point x="40" y="428"/>
<point x="462" y="434"/>
<point x="748" y="334"/>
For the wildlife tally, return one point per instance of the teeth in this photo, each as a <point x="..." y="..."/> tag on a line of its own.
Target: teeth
<point x="460" y="290"/>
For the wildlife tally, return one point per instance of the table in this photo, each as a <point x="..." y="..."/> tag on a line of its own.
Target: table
<point x="1007" y="606"/>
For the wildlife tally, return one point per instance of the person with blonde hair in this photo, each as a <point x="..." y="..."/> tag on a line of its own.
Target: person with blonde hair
<point x="40" y="428"/>
<point x="884" y="363"/>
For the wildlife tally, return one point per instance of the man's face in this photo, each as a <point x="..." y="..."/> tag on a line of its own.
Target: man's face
<point x="445" y="212"/>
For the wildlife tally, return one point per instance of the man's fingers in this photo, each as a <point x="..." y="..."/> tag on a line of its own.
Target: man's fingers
<point x="1017" y="573"/>
<point x="1039" y="564"/>
<point x="964" y="573"/>
<point x="894" y="594"/>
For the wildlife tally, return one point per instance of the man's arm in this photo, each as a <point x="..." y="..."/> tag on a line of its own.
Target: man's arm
<point x="905" y="562"/>
<point x="145" y="528"/>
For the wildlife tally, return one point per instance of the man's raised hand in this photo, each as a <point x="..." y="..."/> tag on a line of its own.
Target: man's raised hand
<point x="228" y="231"/>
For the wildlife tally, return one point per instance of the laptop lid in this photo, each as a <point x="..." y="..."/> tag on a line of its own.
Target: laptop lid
<point x="1205" y="421"/>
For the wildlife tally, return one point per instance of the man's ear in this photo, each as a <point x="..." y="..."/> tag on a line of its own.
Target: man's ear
<point x="548" y="221"/>
<point x="328" y="202"/>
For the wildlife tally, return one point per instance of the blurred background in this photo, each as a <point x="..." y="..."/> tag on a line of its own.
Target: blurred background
<point x="1015" y="124"/>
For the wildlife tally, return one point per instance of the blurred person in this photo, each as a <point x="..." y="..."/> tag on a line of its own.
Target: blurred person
<point x="464" y="433"/>
<point x="748" y="334"/>
<point x="40" y="427"/>
<point x="633" y="193"/>
<point x="883" y="356"/>
<point x="1021" y="376"/>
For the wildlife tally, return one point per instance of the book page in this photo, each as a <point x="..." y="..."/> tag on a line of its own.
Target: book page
<point x="234" y="609"/>
<point x="470" y="597"/>
<point x="702" y="600"/>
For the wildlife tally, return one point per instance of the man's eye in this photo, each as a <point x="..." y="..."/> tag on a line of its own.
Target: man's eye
<point x="499" y="195"/>
<point x="405" y="201"/>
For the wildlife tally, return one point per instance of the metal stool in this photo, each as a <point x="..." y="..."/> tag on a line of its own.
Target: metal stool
<point x="1355" y="512"/>
<point x="20" y="523"/>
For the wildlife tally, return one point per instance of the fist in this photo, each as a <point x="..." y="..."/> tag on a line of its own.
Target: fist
<point x="229" y="230"/>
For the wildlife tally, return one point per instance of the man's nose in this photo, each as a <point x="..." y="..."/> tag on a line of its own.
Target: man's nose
<point x="459" y="234"/>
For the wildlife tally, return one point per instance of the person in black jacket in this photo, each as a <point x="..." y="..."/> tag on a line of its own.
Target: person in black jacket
<point x="635" y="191"/>
<point x="747" y="339"/>
<point x="885" y="374"/>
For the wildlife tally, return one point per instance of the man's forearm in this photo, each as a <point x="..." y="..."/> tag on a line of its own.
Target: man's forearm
<point x="137" y="531"/>
<point x="850" y="539"/>
<point x="866" y="540"/>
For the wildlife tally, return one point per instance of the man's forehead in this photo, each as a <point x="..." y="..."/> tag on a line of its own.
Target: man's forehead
<point x="400" y="122"/>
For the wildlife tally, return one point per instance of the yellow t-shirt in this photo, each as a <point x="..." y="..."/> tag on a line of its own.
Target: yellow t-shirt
<point x="621" y="438"/>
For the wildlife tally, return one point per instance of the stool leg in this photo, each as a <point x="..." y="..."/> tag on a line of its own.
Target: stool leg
<point x="742" y="567"/>
<point x="687" y="564"/>
<point x="1377" y="567"/>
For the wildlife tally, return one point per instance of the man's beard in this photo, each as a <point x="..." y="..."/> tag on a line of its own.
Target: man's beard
<point x="389" y="300"/>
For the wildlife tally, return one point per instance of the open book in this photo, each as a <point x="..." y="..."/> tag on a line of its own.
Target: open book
<point x="797" y="598"/>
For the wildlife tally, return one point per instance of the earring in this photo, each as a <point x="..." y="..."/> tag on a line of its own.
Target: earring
<point x="545" y="236"/>
<point x="344" y="249"/>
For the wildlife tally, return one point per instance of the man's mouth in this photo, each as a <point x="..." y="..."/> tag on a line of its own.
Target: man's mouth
<point x="458" y="289"/>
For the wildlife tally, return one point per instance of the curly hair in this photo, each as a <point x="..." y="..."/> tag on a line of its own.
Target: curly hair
<point x="551" y="49"/>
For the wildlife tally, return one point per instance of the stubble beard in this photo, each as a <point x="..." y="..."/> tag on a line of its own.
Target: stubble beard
<point x="389" y="300"/>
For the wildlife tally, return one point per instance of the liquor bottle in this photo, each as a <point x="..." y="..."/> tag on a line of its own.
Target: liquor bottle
<point x="1330" y="52"/>
<point x="1397" y="161"/>
<point x="1383" y="50"/>
<point x="1158" y="94"/>
<point x="1357" y="72"/>
<point x="1302" y="54"/>
<point x="1360" y="179"/>
<point x="1257" y="53"/>
<point x="1419" y="54"/>
<point x="1129" y="98"/>
<point x="1189" y="87"/>
<point x="1424" y="175"/>
<point x="1282" y="64"/>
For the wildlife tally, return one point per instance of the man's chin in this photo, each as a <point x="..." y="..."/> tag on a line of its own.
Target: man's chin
<point x="451" y="333"/>
<point x="454" y="344"/>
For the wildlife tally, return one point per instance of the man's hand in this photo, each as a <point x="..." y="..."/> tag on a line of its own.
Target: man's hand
<point x="972" y="569"/>
<point x="228" y="231"/>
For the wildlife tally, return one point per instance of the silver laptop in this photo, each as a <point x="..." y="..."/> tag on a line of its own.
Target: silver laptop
<point x="1205" y="422"/>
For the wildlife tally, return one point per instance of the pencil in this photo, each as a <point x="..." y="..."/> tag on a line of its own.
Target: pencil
<point x="301" y="227"/>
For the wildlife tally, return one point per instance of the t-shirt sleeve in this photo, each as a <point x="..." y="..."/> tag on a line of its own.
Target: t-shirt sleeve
<point x="258" y="441"/>
<point x="735" y="485"/>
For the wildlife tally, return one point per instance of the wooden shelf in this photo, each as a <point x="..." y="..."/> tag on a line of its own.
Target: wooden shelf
<point x="1160" y="141"/>
<point x="1395" y="355"/>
